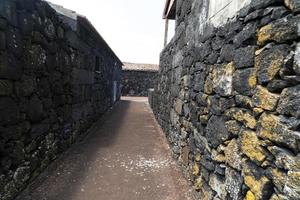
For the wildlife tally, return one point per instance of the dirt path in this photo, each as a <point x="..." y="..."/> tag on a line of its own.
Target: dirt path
<point x="125" y="157"/>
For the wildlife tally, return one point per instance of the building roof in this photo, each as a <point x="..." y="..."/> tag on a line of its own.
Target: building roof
<point x="140" y="67"/>
<point x="170" y="10"/>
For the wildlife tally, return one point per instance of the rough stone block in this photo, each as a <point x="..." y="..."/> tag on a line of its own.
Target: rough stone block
<point x="294" y="5"/>
<point x="6" y="88"/>
<point x="26" y="86"/>
<point x="243" y="116"/>
<point x="271" y="128"/>
<point x="244" y="57"/>
<point x="10" y="113"/>
<point x="8" y="11"/>
<point x="227" y="53"/>
<point x="35" y="109"/>
<point x="251" y="147"/>
<point x="81" y="76"/>
<point x="2" y="41"/>
<point x="291" y="188"/>
<point x="222" y="77"/>
<point x="26" y="23"/>
<point x="269" y="62"/>
<point x="280" y="31"/>
<point x="262" y="98"/>
<point x="10" y="68"/>
<point x="217" y="183"/>
<point x="244" y="81"/>
<point x="36" y="58"/>
<point x="216" y="131"/>
<point x="233" y="154"/>
<point x="14" y="42"/>
<point x="233" y="182"/>
<point x="289" y="103"/>
<point x="246" y="36"/>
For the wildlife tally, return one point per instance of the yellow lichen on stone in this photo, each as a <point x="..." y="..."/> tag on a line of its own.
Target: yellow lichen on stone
<point x="250" y="196"/>
<point x="252" y="80"/>
<point x="217" y="156"/>
<point x="198" y="157"/>
<point x="256" y="186"/>
<point x="275" y="66"/>
<point x="233" y="127"/>
<point x="258" y="111"/>
<point x="270" y="33"/>
<point x="292" y="184"/>
<point x="279" y="178"/>
<point x="268" y="124"/>
<point x="250" y="145"/>
<point x="208" y="86"/>
<point x="196" y="169"/>
<point x="198" y="183"/>
<point x="264" y="34"/>
<point x="264" y="99"/>
<point x="245" y="118"/>
<point x="203" y="118"/>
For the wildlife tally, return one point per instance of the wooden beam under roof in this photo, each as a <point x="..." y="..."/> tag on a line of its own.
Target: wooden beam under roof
<point x="170" y="10"/>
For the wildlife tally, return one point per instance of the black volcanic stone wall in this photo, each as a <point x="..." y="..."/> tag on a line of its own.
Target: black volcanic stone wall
<point x="49" y="92"/>
<point x="137" y="83"/>
<point x="228" y="101"/>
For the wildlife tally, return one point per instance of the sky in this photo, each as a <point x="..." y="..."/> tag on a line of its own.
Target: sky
<point x="134" y="29"/>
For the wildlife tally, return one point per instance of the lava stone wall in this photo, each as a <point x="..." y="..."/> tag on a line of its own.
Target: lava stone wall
<point x="49" y="92"/>
<point x="137" y="83"/>
<point x="229" y="99"/>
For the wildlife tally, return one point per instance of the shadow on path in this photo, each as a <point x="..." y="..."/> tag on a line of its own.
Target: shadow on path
<point x="125" y="156"/>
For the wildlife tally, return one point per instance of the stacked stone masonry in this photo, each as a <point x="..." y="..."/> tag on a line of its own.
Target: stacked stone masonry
<point x="137" y="83"/>
<point x="57" y="76"/>
<point x="138" y="78"/>
<point x="228" y="99"/>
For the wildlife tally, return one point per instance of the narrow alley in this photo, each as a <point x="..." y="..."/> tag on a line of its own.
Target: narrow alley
<point x="125" y="156"/>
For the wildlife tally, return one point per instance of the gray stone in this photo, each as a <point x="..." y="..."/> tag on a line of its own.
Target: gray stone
<point x="289" y="103"/>
<point x="255" y="15"/>
<point x="26" y="22"/>
<point x="269" y="62"/>
<point x="14" y="42"/>
<point x="296" y="66"/>
<point x="246" y="36"/>
<point x="217" y="183"/>
<point x="219" y="104"/>
<point x="2" y="41"/>
<point x="10" y="111"/>
<point x="35" y="109"/>
<point x="6" y="87"/>
<point x="10" y="68"/>
<point x="233" y="182"/>
<point x="35" y="60"/>
<point x="285" y="159"/>
<point x="244" y="57"/>
<point x="7" y="11"/>
<point x="222" y="79"/>
<point x="279" y="12"/>
<point x="257" y="4"/>
<point x="243" y="81"/>
<point x="216" y="131"/>
<point x="277" y="85"/>
<point x="21" y="175"/>
<point x="3" y="24"/>
<point x="50" y="30"/>
<point x="26" y="86"/>
<point x="227" y="53"/>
